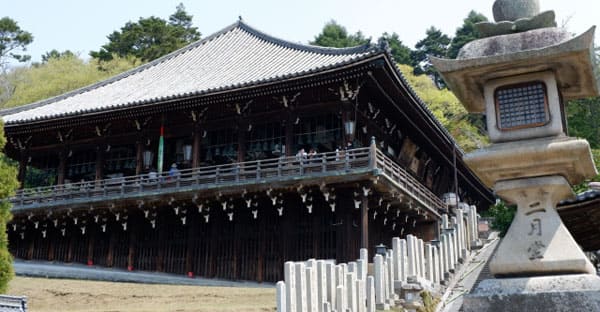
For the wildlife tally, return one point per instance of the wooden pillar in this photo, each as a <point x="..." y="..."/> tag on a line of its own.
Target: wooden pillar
<point x="289" y="135"/>
<point x="70" y="248"/>
<point x="30" y="248"/>
<point x="22" y="170"/>
<point x="111" y="246"/>
<point x="196" y="143"/>
<point x="100" y="162"/>
<point x="51" y="244"/>
<point x="236" y="250"/>
<point x="133" y="233"/>
<point x="364" y="223"/>
<point x="92" y="232"/>
<point x="160" y="255"/>
<point x="241" y="152"/>
<point x="262" y="247"/>
<point x="189" y="251"/>
<point x="62" y="167"/>
<point x="139" y="157"/>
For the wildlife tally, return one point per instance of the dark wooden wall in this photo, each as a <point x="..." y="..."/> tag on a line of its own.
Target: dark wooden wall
<point x="242" y="249"/>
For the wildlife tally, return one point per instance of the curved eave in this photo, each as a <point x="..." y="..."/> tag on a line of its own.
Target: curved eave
<point x="571" y="60"/>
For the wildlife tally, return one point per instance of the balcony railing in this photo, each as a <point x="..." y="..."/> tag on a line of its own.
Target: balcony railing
<point x="368" y="159"/>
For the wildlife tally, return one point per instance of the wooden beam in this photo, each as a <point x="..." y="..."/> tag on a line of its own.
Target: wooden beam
<point x="133" y="233"/>
<point x="91" y="242"/>
<point x="100" y="162"/>
<point x="197" y="142"/>
<point x="289" y="135"/>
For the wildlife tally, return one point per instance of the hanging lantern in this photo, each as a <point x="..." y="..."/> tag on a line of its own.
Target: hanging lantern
<point x="187" y="153"/>
<point x="147" y="158"/>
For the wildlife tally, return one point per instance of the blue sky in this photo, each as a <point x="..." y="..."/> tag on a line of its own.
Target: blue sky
<point x="82" y="25"/>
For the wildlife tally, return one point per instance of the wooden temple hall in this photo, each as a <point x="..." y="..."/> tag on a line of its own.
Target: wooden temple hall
<point x="230" y="156"/>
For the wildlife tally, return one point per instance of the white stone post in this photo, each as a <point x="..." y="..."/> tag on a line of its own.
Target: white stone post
<point x="351" y="291"/>
<point x="281" y="302"/>
<point x="362" y="269"/>
<point x="361" y="295"/>
<point x="326" y="307"/>
<point x="445" y="223"/>
<point x="331" y="283"/>
<point x="396" y="258"/>
<point x="370" y="294"/>
<point x="429" y="265"/>
<point x="421" y="255"/>
<point x="412" y="256"/>
<point x="321" y="284"/>
<point x="379" y="280"/>
<point x="436" y="265"/>
<point x="340" y="298"/>
<point x="390" y="274"/>
<point x="301" y="303"/>
<point x="445" y="255"/>
<point x="311" y="287"/>
<point x="474" y="223"/>
<point x="290" y="282"/>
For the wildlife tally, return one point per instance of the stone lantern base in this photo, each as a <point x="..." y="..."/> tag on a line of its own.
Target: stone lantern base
<point x="580" y="292"/>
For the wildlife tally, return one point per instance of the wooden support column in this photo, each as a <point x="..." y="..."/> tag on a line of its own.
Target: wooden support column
<point x="22" y="169"/>
<point x="30" y="248"/>
<point x="236" y="251"/>
<point x="139" y="157"/>
<point x="364" y="223"/>
<point x="133" y="234"/>
<point x="242" y="133"/>
<point x="92" y="240"/>
<point x="160" y="255"/>
<point x="70" y="248"/>
<point x="51" y="237"/>
<point x="196" y="143"/>
<point x="111" y="246"/>
<point x="100" y="162"/>
<point x="189" y="251"/>
<point x="262" y="247"/>
<point x="62" y="167"/>
<point x="289" y="135"/>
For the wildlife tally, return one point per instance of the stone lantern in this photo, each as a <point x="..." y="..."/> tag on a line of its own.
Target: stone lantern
<point x="520" y="74"/>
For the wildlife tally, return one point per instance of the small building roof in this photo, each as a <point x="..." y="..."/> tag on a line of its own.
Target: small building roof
<point x="237" y="56"/>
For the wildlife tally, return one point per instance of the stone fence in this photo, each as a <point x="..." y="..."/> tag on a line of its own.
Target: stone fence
<point x="394" y="278"/>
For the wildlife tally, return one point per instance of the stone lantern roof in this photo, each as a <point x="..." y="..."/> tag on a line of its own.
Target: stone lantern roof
<point x="524" y="45"/>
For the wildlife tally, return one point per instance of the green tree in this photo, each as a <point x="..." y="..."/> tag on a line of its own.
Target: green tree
<point x="447" y="109"/>
<point x="465" y="33"/>
<point x="8" y="185"/>
<point x="336" y="36"/>
<point x="60" y="75"/>
<point x="399" y="51"/>
<point x="13" y="40"/>
<point x="436" y="44"/>
<point x="150" y="38"/>
<point x="56" y="54"/>
<point x="502" y="215"/>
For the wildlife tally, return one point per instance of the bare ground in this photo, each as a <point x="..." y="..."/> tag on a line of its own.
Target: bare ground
<point x="76" y="295"/>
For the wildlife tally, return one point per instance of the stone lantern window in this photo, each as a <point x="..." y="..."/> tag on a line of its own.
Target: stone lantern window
<point x="523" y="107"/>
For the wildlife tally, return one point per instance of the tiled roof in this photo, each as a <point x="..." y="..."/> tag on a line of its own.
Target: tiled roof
<point x="234" y="57"/>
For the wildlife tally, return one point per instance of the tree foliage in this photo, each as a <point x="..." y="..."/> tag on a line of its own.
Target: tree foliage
<point x="435" y="44"/>
<point x="8" y="185"/>
<point x="150" y="38"/>
<point x="60" y="75"/>
<point x="399" y="51"/>
<point x="336" y="36"/>
<point x="465" y="33"/>
<point x="13" y="41"/>
<point x="56" y="55"/>
<point x="502" y="215"/>
<point x="447" y="109"/>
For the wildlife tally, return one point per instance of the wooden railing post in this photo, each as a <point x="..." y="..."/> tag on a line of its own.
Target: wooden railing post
<point x="324" y="163"/>
<point x="237" y="173"/>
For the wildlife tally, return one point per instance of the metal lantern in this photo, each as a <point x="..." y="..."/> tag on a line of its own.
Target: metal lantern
<point x="349" y="128"/>
<point x="187" y="153"/>
<point x="381" y="249"/>
<point x="147" y="158"/>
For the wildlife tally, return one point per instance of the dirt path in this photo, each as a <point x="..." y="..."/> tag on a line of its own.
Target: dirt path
<point x="74" y="295"/>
